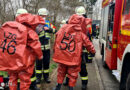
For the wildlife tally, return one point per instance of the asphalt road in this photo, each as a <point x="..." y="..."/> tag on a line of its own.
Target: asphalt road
<point x="108" y="80"/>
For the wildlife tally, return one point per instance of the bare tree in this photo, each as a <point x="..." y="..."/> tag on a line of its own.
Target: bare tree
<point x="58" y="9"/>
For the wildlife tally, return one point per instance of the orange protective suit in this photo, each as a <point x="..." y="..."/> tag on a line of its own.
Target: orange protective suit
<point x="19" y="48"/>
<point x="68" y="48"/>
<point x="89" y="25"/>
<point x="86" y="25"/>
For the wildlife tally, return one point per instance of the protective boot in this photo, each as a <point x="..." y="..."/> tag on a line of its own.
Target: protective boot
<point x="33" y="86"/>
<point x="84" y="87"/>
<point x="84" y="84"/>
<point x="58" y="87"/>
<point x="46" y="78"/>
<point x="66" y="82"/>
<point x="18" y="86"/>
<point x="38" y="81"/>
<point x="71" y="88"/>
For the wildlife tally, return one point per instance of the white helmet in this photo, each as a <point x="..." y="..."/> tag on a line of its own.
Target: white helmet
<point x="80" y="10"/>
<point x="42" y="11"/>
<point x="63" y="22"/>
<point x="21" y="11"/>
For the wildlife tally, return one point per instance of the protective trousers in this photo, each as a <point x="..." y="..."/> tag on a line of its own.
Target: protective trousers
<point x="71" y="71"/>
<point x="84" y="74"/>
<point x="24" y="80"/>
<point x="33" y="81"/>
<point x="42" y="66"/>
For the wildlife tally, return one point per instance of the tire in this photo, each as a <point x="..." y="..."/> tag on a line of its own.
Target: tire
<point x="125" y="75"/>
<point x="128" y="82"/>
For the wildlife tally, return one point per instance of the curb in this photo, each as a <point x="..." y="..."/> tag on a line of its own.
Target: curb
<point x="98" y="76"/>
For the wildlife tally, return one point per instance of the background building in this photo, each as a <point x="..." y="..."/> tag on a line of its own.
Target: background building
<point x="97" y="10"/>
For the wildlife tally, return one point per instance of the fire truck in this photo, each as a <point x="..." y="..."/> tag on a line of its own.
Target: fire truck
<point x="114" y="39"/>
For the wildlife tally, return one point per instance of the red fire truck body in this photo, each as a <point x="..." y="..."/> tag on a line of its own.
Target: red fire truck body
<point x="114" y="39"/>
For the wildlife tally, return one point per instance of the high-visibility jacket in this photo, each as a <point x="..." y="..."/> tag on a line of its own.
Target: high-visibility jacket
<point x="69" y="42"/>
<point x="45" y="35"/>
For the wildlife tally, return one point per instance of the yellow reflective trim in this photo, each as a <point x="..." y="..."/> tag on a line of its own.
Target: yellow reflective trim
<point x="42" y="34"/>
<point x="47" y="35"/>
<point x="46" y="71"/>
<point x="90" y="58"/>
<point x="42" y="46"/>
<point x="114" y="45"/>
<point x="125" y="32"/>
<point x="84" y="50"/>
<point x="19" y="80"/>
<point x="47" y="46"/>
<point x="33" y="79"/>
<point x="84" y="78"/>
<point x="39" y="71"/>
<point x="48" y="24"/>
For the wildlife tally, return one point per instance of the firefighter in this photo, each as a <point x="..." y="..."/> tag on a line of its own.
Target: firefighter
<point x="33" y="85"/>
<point x="88" y="30"/>
<point x="3" y="74"/>
<point x="67" y="50"/>
<point x="42" y="67"/>
<point x="85" y="54"/>
<point x="21" y="48"/>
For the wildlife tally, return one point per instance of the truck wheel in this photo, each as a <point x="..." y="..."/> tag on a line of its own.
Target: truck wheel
<point x="103" y="62"/>
<point x="128" y="82"/>
<point x="125" y="74"/>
